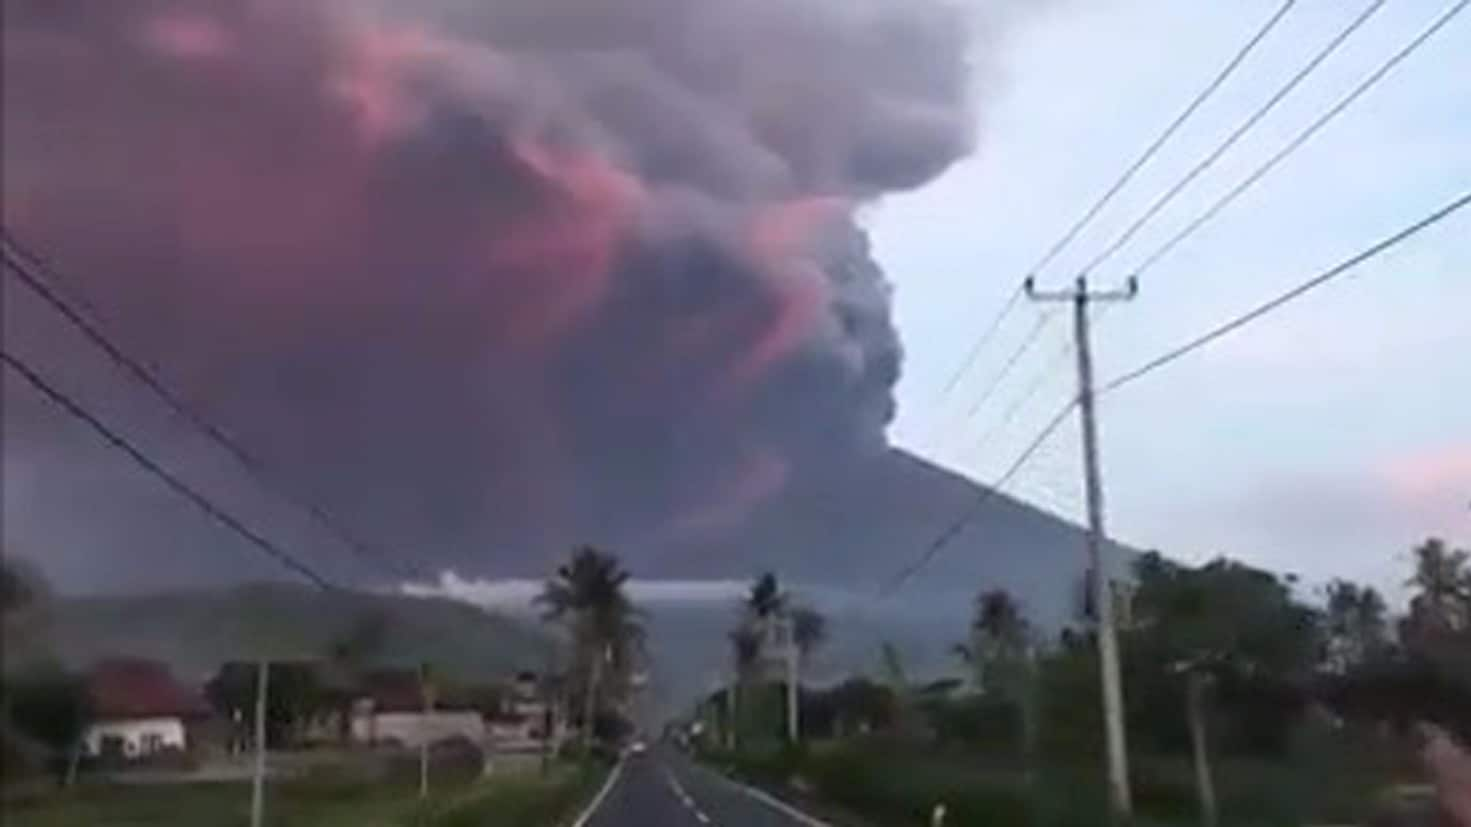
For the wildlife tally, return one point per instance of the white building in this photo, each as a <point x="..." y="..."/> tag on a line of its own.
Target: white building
<point x="139" y="711"/>
<point x="135" y="737"/>
<point x="527" y="721"/>
<point x="394" y="710"/>
<point x="413" y="728"/>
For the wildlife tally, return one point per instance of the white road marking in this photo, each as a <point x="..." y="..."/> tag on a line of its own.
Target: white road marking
<point x="770" y="801"/>
<point x="685" y="798"/>
<point x="597" y="800"/>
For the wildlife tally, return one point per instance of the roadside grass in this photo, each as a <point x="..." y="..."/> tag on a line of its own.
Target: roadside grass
<point x="533" y="800"/>
<point x="885" y="782"/>
<point x="526" y="799"/>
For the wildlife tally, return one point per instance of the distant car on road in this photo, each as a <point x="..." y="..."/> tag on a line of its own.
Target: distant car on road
<point x="637" y="748"/>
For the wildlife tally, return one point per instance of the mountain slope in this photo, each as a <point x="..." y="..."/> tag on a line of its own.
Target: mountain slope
<point x="194" y="631"/>
<point x="854" y="530"/>
<point x="838" y="540"/>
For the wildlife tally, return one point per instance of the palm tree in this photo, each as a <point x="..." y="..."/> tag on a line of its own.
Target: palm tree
<point x="999" y="635"/>
<point x="15" y="592"/>
<point x="1355" y="623"/>
<point x="766" y="611"/>
<point x="25" y="603"/>
<point x="587" y="594"/>
<point x="22" y="588"/>
<point x="765" y="598"/>
<point x="1000" y="653"/>
<point x="1444" y="585"/>
<point x="809" y="629"/>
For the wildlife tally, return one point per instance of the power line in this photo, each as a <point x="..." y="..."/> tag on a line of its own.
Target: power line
<point x="1032" y="390"/>
<point x="1038" y="382"/>
<point x="1011" y="362"/>
<point x="1314" y="282"/>
<point x="59" y="284"/>
<point x="1302" y="137"/>
<point x="70" y="406"/>
<point x="975" y="350"/>
<point x="1215" y="154"/>
<point x="953" y="530"/>
<point x="1036" y="331"/>
<point x="1124" y="178"/>
<point x="147" y="377"/>
<point x="1159" y="142"/>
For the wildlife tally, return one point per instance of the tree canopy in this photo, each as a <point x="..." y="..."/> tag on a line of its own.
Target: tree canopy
<point x="587" y="593"/>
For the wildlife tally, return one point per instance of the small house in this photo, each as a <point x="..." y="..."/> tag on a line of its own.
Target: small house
<point x="139" y="710"/>
<point x="392" y="708"/>
<point x="528" y="718"/>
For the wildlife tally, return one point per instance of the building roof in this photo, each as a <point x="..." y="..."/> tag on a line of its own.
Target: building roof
<point x="399" y="690"/>
<point x="330" y="676"/>
<point x="124" y="688"/>
<point x="393" y="690"/>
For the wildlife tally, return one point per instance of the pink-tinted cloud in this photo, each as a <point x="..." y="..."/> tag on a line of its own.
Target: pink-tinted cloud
<point x="187" y="36"/>
<point x="1437" y="472"/>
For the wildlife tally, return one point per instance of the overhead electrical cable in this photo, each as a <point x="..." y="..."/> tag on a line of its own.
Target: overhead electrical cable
<point x="22" y="270"/>
<point x="965" y="518"/>
<point x="215" y="512"/>
<point x="1205" y="163"/>
<point x="954" y="529"/>
<point x="1301" y="137"/>
<point x="1086" y="218"/>
<point x="1154" y="147"/>
<point x="1296" y="292"/>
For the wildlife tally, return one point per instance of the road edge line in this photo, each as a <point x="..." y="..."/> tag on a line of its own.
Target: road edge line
<point x="776" y="803"/>
<point x="769" y="800"/>
<point x="597" y="800"/>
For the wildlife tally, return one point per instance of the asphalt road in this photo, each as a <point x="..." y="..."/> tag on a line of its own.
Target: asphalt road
<point x="664" y="789"/>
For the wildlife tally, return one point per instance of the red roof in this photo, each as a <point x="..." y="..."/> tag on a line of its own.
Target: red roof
<point x="134" y="688"/>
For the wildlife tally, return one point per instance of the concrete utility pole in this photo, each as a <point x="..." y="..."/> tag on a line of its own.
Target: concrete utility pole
<point x="794" y="726"/>
<point x="730" y="709"/>
<point x="1120" y="800"/>
<point x="426" y="690"/>
<point x="1194" y="709"/>
<point x="258" y="781"/>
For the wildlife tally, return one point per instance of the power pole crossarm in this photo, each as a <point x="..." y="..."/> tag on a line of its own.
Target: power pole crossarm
<point x="1101" y="581"/>
<point x="1127" y="292"/>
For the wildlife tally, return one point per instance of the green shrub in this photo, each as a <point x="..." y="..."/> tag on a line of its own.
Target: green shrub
<point x="869" y="778"/>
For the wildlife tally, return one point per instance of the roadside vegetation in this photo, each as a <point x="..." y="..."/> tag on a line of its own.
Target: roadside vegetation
<point x="1248" y="702"/>
<point x="526" y="799"/>
<point x="47" y="781"/>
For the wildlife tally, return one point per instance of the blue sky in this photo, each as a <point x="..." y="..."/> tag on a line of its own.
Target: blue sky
<point x="1323" y="440"/>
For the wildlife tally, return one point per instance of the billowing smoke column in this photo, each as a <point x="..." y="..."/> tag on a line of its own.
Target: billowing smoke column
<point x="494" y="276"/>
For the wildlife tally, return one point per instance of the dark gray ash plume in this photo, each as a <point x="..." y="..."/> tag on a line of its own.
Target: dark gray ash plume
<point x="487" y="278"/>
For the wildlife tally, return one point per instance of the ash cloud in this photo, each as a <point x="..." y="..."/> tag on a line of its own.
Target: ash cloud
<point x="487" y="278"/>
